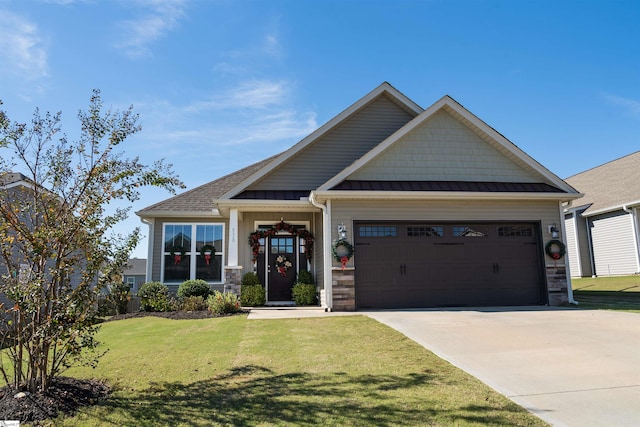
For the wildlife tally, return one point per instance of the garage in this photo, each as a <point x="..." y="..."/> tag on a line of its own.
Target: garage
<point x="445" y="264"/>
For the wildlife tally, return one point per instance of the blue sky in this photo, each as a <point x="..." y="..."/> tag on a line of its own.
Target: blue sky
<point x="222" y="84"/>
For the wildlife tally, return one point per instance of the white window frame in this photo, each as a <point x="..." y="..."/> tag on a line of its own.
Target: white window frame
<point x="192" y="250"/>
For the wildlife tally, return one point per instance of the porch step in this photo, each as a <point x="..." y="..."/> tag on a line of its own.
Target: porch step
<point x="280" y="304"/>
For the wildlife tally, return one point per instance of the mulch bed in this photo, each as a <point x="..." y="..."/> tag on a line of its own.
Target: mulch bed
<point x="67" y="395"/>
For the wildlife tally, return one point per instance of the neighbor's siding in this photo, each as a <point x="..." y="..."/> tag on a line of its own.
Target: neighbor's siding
<point x="578" y="251"/>
<point x="344" y="144"/>
<point x="531" y="211"/>
<point x="613" y="244"/>
<point x="443" y="149"/>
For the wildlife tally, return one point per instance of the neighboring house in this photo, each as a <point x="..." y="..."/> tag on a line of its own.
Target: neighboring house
<point x="135" y="273"/>
<point x="603" y="230"/>
<point x="439" y="208"/>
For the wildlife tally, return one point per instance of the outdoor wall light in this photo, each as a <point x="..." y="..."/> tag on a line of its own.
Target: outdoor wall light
<point x="553" y="230"/>
<point x="342" y="231"/>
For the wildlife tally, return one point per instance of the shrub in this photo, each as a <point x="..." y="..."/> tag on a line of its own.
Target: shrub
<point x="193" y="303"/>
<point x="250" y="279"/>
<point x="154" y="296"/>
<point x="253" y="295"/>
<point x="119" y="297"/>
<point x="304" y="294"/>
<point x="305" y="277"/>
<point x="190" y="288"/>
<point x="223" y="303"/>
<point x="252" y="292"/>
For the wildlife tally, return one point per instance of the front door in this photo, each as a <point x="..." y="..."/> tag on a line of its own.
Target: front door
<point x="282" y="267"/>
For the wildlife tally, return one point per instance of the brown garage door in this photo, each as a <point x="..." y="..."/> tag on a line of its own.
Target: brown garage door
<point x="415" y="265"/>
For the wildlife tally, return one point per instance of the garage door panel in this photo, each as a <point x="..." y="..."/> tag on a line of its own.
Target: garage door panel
<point x="432" y="265"/>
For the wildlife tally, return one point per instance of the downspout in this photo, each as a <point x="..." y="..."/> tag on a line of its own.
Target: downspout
<point x="326" y="250"/>
<point x="151" y="224"/>
<point x="634" y="229"/>
<point x="566" y="261"/>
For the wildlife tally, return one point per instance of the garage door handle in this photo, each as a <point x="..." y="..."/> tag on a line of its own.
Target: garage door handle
<point x="403" y="269"/>
<point x="496" y="268"/>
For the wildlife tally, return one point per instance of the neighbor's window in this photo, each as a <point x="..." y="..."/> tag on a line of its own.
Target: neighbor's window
<point x="193" y="251"/>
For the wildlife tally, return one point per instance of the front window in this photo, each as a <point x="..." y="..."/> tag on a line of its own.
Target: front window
<point x="193" y="251"/>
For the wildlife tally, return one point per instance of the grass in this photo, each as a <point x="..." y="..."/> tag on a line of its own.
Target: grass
<point x="608" y="293"/>
<point x="340" y="371"/>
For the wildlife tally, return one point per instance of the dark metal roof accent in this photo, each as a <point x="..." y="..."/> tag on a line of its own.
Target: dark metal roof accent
<point x="273" y="194"/>
<point x="466" y="186"/>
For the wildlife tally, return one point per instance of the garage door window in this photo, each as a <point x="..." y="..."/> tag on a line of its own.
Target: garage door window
<point x="515" y="231"/>
<point x="466" y="231"/>
<point x="425" y="231"/>
<point x="378" y="231"/>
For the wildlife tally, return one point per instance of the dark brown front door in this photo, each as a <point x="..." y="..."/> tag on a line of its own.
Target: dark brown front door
<point x="282" y="267"/>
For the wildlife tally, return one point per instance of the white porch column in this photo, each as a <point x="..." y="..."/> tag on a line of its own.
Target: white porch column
<point x="327" y="258"/>
<point x="232" y="256"/>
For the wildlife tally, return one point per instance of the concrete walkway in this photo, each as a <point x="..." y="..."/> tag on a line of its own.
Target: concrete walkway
<point x="570" y="367"/>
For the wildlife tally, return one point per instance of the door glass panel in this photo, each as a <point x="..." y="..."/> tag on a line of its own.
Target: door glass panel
<point x="282" y="245"/>
<point x="466" y="231"/>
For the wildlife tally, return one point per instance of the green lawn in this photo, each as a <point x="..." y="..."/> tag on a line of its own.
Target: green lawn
<point x="610" y="293"/>
<point x="341" y="371"/>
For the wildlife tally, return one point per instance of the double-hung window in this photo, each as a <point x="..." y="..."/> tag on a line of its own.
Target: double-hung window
<point x="193" y="251"/>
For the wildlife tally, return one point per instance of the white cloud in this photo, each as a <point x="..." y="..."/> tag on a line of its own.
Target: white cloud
<point x="255" y="111"/>
<point x="160" y="17"/>
<point x="630" y="105"/>
<point x="22" y="50"/>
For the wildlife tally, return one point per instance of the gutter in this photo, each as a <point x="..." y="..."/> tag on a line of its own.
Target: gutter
<point x="326" y="254"/>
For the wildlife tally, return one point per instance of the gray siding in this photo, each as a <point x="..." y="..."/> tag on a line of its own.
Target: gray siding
<point x="613" y="244"/>
<point x="343" y="145"/>
<point x="443" y="149"/>
<point x="460" y="210"/>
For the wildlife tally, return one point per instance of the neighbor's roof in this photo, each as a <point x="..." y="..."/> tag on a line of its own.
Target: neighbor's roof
<point x="609" y="186"/>
<point x="12" y="178"/>
<point x="200" y="199"/>
<point x="136" y="267"/>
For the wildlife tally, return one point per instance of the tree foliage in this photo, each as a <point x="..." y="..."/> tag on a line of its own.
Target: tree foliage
<point x="57" y="244"/>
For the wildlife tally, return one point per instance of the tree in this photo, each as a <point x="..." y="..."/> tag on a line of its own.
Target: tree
<point x="56" y="235"/>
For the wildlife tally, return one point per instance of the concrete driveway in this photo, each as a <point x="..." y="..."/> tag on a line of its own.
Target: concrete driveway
<point x="570" y="367"/>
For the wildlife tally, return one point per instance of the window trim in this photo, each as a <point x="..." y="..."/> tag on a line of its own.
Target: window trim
<point x="192" y="251"/>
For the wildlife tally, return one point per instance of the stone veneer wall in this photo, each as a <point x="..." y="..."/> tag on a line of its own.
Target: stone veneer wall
<point x="557" y="284"/>
<point x="344" y="289"/>
<point x="232" y="279"/>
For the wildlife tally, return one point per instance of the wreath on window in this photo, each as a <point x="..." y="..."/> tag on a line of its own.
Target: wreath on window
<point x="342" y="257"/>
<point x="207" y="251"/>
<point x="177" y="252"/>
<point x="555" y="249"/>
<point x="254" y="238"/>
<point x="283" y="264"/>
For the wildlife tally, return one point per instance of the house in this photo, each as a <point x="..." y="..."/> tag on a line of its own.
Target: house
<point x="603" y="229"/>
<point x="388" y="204"/>
<point x="135" y="273"/>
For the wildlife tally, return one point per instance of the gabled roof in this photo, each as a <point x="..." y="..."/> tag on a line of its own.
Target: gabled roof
<point x="465" y="116"/>
<point x="384" y="89"/>
<point x="12" y="179"/>
<point x="610" y="186"/>
<point x="199" y="201"/>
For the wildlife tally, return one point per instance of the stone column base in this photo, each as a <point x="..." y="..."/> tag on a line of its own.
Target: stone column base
<point x="343" y="289"/>
<point x="232" y="279"/>
<point x="557" y="284"/>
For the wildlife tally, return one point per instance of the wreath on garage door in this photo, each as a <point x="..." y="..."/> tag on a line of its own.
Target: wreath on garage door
<point x="555" y="249"/>
<point x="345" y="253"/>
